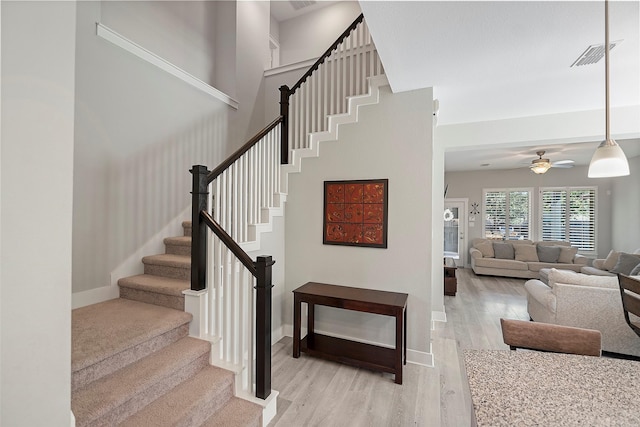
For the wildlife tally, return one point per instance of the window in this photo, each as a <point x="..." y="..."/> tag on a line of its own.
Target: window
<point x="569" y="214"/>
<point x="507" y="214"/>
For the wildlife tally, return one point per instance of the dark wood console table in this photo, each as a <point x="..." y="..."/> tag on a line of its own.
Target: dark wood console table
<point x="346" y="351"/>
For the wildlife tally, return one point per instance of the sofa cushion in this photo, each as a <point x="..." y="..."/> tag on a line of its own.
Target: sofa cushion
<point x="611" y="260"/>
<point x="635" y="271"/>
<point x="503" y="250"/>
<point x="486" y="248"/>
<point x="508" y="264"/>
<point x="537" y="266"/>
<point x="526" y="253"/>
<point x="572" y="278"/>
<point x="626" y="263"/>
<point x="594" y="271"/>
<point x="548" y="253"/>
<point x="567" y="254"/>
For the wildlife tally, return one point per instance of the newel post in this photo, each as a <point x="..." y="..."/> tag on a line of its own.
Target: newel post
<point x="263" y="326"/>
<point x="284" y="135"/>
<point x="198" y="228"/>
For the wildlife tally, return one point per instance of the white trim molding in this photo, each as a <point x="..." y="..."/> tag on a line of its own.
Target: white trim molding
<point x="142" y="53"/>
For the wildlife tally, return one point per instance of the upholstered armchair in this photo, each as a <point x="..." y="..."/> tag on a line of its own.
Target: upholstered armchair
<point x="583" y="301"/>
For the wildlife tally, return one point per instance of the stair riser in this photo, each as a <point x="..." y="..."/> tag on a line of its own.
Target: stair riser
<point x="154" y="298"/>
<point x="182" y="273"/>
<point x="107" y="366"/>
<point x="178" y="249"/>
<point x="187" y="230"/>
<point x="140" y="400"/>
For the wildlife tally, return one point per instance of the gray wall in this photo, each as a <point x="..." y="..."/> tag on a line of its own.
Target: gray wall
<point x="138" y="130"/>
<point x="625" y="207"/>
<point x="38" y="40"/>
<point x="368" y="150"/>
<point x="614" y="198"/>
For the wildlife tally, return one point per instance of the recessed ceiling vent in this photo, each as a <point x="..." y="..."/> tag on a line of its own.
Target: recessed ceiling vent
<point x="299" y="4"/>
<point x="593" y="54"/>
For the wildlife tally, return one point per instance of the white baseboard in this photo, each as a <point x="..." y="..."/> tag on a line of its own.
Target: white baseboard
<point x="94" y="296"/>
<point x="132" y="265"/>
<point x="438" y="316"/>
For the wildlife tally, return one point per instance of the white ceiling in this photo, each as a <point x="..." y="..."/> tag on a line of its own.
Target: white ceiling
<point x="282" y="10"/>
<point x="501" y="59"/>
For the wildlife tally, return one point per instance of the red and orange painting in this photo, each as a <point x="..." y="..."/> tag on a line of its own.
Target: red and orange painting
<point x="355" y="213"/>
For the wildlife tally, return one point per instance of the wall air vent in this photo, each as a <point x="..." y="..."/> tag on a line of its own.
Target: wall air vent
<point x="299" y="4"/>
<point x="593" y="54"/>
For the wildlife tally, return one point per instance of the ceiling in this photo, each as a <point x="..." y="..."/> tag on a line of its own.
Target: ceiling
<point x="282" y="10"/>
<point x="492" y="60"/>
<point x="501" y="59"/>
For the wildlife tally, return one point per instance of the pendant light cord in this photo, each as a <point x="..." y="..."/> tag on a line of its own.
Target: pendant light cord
<point x="606" y="70"/>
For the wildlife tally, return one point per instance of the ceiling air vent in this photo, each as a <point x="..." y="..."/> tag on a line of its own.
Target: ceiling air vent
<point x="593" y="54"/>
<point x="299" y="4"/>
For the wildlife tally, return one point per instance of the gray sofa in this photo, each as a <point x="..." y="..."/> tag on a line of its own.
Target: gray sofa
<point x="493" y="258"/>
<point x="583" y="301"/>
<point x="609" y="266"/>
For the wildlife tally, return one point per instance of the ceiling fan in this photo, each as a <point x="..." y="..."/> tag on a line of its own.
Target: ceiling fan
<point x="540" y="165"/>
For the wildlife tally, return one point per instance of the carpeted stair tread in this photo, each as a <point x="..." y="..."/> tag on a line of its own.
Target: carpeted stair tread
<point x="107" y="328"/>
<point x="158" y="284"/>
<point x="237" y="412"/>
<point x="168" y="260"/>
<point x="114" y="397"/>
<point x="189" y="403"/>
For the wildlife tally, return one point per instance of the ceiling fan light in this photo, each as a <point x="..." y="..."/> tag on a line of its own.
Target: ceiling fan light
<point x="608" y="161"/>
<point x="540" y="167"/>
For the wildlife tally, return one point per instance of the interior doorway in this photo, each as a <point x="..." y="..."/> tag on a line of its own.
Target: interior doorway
<point x="455" y="230"/>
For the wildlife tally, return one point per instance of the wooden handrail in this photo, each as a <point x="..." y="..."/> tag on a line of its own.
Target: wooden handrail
<point x="246" y="147"/>
<point x="324" y="56"/>
<point x="242" y="256"/>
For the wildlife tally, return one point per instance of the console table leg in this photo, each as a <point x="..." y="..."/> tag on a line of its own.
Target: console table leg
<point x="399" y="346"/>
<point x="296" y="326"/>
<point x="311" y="311"/>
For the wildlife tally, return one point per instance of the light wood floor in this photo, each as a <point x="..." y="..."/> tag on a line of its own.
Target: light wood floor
<point x="315" y="392"/>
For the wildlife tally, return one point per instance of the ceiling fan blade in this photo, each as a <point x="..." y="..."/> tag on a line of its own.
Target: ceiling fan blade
<point x="563" y="162"/>
<point x="562" y="165"/>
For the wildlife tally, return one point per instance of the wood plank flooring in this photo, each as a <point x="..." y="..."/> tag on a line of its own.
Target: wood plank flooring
<point x="315" y="392"/>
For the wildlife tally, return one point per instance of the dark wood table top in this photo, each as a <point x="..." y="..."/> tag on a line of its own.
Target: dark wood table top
<point x="347" y="293"/>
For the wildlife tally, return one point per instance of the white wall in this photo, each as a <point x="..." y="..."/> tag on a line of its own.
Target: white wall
<point x="38" y="41"/>
<point x="470" y="185"/>
<point x="625" y="207"/>
<point x="310" y="35"/>
<point x="400" y="123"/>
<point x="138" y="130"/>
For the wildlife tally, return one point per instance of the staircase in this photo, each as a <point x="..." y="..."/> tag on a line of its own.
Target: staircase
<point x="133" y="363"/>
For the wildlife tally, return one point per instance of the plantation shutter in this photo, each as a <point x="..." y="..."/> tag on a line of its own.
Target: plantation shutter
<point x="507" y="214"/>
<point x="495" y="213"/>
<point x="570" y="214"/>
<point x="582" y="219"/>
<point x="554" y="214"/>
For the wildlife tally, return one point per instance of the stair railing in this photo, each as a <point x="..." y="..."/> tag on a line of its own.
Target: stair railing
<point x="342" y="71"/>
<point x="234" y="198"/>
<point x="230" y="200"/>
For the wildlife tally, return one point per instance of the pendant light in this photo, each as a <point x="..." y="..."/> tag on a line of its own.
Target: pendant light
<point x="609" y="159"/>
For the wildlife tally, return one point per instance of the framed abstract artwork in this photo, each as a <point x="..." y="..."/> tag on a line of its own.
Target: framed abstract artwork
<point x="355" y="213"/>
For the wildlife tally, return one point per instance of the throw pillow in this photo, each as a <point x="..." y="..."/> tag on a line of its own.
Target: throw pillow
<point x="526" y="253"/>
<point x="503" y="250"/>
<point x="611" y="260"/>
<point x="567" y="254"/>
<point x="548" y="253"/>
<point x="635" y="271"/>
<point x="486" y="248"/>
<point x="626" y="263"/>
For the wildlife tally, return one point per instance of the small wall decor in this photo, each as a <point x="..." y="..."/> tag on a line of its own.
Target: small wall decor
<point x="474" y="208"/>
<point x="355" y="213"/>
